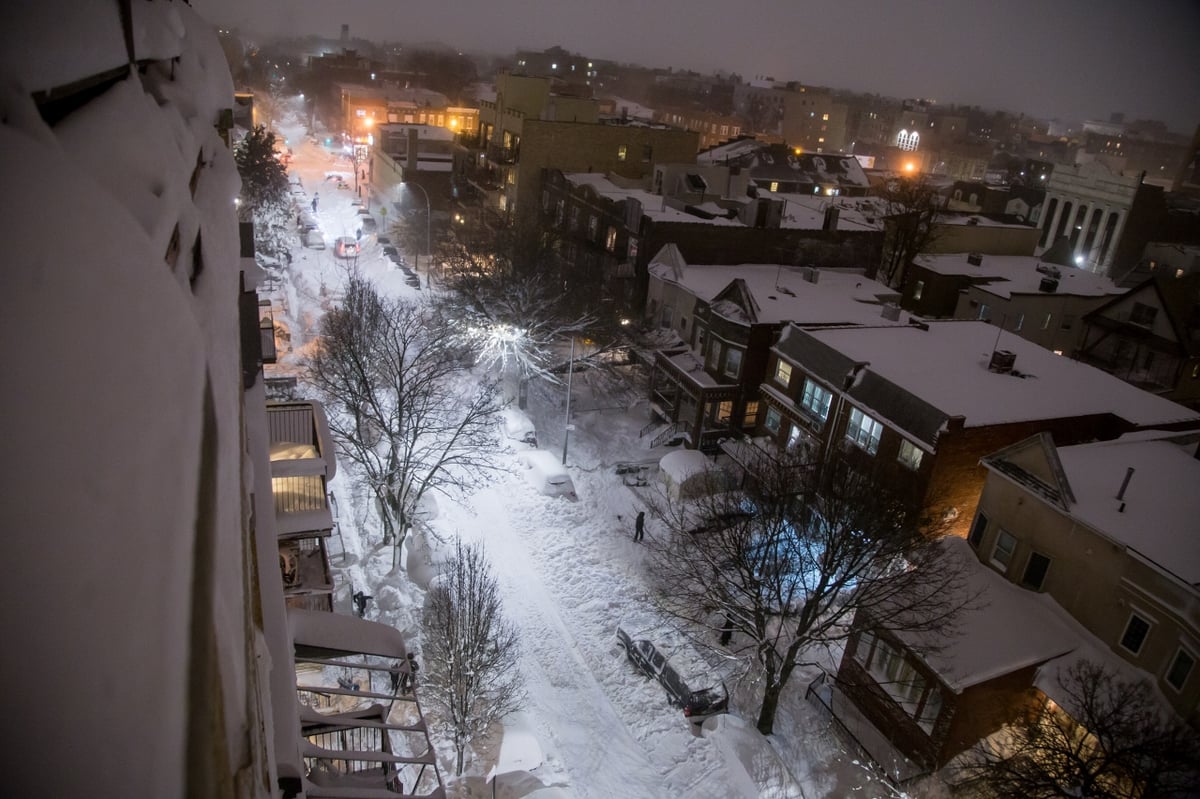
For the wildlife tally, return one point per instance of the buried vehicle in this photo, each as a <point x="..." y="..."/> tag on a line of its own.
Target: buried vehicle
<point x="696" y="705"/>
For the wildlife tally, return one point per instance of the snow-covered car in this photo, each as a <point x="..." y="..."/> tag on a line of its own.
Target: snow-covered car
<point x="305" y="220"/>
<point x="516" y="426"/>
<point x="547" y="473"/>
<point x="313" y="238"/>
<point x="346" y="247"/>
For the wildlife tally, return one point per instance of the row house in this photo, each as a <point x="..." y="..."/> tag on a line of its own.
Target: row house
<point x="702" y="210"/>
<point x="363" y="108"/>
<point x="1150" y="337"/>
<point x="724" y="320"/>
<point x="712" y="127"/>
<point x="919" y="405"/>
<point x="1076" y="553"/>
<point x="1041" y="302"/>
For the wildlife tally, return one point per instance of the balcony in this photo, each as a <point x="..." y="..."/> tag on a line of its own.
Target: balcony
<point x="360" y="736"/>
<point x="501" y="155"/>
<point x="300" y="468"/>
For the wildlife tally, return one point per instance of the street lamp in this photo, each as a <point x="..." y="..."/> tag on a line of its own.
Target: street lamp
<point x="428" y="223"/>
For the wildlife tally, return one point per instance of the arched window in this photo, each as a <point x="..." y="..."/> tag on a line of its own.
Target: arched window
<point x="902" y="140"/>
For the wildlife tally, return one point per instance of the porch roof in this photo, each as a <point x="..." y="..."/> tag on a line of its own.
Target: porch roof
<point x="684" y="365"/>
<point x="1004" y="628"/>
<point x="320" y="634"/>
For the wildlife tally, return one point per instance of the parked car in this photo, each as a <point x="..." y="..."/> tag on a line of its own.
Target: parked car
<point x="314" y="239"/>
<point x="306" y="221"/>
<point x="516" y="426"/>
<point x="346" y="247"/>
<point x="547" y="473"/>
<point x="697" y="705"/>
<point x="366" y="221"/>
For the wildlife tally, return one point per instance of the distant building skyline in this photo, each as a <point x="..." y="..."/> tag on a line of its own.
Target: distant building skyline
<point x="1073" y="60"/>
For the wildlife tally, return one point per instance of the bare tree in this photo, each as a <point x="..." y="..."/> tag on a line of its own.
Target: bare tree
<point x="508" y="287"/>
<point x="912" y="207"/>
<point x="776" y="569"/>
<point x="404" y="406"/>
<point x="471" y="650"/>
<point x="1111" y="738"/>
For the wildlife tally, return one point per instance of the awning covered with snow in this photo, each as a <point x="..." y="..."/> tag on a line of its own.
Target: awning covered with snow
<point x="317" y="634"/>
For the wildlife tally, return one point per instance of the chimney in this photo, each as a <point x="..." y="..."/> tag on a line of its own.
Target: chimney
<point x="1125" y="485"/>
<point x="891" y="312"/>
<point x="1048" y="285"/>
<point x="975" y="259"/>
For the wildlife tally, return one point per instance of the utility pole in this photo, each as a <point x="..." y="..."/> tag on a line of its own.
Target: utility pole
<point x="567" y="423"/>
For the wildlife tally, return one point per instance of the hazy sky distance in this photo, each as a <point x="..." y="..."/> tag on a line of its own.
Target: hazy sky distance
<point x="1070" y="59"/>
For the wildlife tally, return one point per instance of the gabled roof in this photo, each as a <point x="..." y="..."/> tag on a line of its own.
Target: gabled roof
<point x="1178" y="297"/>
<point x="735" y="302"/>
<point x="1035" y="465"/>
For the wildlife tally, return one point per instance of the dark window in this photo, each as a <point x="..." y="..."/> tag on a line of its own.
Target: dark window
<point x="1135" y="633"/>
<point x="1181" y="667"/>
<point x="1142" y="314"/>
<point x="976" y="536"/>
<point x="1035" y="571"/>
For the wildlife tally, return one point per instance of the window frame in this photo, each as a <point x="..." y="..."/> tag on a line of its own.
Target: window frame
<point x="1184" y="651"/>
<point x="864" y="428"/>
<point x="732" y="354"/>
<point x="810" y="400"/>
<point x="911" y="463"/>
<point x="978" y="530"/>
<point x="772" y="413"/>
<point x="1041" y="584"/>
<point x="783" y="373"/>
<point x="1003" y="565"/>
<point x="1149" y="623"/>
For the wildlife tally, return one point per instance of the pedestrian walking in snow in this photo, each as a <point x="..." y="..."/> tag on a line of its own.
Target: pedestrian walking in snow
<point x="408" y="680"/>
<point x="358" y="234"/>
<point x="316" y="197"/>
<point x="639" y="526"/>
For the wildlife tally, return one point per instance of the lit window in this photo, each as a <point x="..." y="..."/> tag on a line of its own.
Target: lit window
<point x="1136" y="630"/>
<point x="610" y="241"/>
<point x="824" y="117"/>
<point x="724" y="412"/>
<point x="864" y="431"/>
<point x="1035" y="571"/>
<point x="918" y="290"/>
<point x="774" y="185"/>
<point x="910" y="454"/>
<point x="816" y="399"/>
<point x="622" y="151"/>
<point x="985" y="313"/>
<point x="1003" y="551"/>
<point x="977" y="529"/>
<point x="733" y="362"/>
<point x="783" y="372"/>
<point x="773" y="419"/>
<point x="750" y="417"/>
<point x="1181" y="668"/>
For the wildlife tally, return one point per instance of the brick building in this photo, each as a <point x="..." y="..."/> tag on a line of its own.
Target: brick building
<point x="920" y="405"/>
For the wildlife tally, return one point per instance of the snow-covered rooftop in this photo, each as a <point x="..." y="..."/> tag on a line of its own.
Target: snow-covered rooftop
<point x="946" y="366"/>
<point x="1018" y="274"/>
<point x="782" y="294"/>
<point x="1003" y="628"/>
<point x="807" y="211"/>
<point x="654" y="206"/>
<point x="1154" y="517"/>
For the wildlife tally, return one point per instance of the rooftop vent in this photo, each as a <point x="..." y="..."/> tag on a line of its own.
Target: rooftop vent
<point x="973" y="220"/>
<point x="891" y="312"/>
<point x="975" y="259"/>
<point x="811" y="274"/>
<point x="1048" y="285"/>
<point x="1002" y="361"/>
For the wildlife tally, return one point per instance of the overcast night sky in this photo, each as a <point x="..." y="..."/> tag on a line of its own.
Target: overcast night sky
<point x="1066" y="59"/>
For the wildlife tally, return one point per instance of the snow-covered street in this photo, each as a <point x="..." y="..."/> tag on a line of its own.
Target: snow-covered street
<point x="570" y="572"/>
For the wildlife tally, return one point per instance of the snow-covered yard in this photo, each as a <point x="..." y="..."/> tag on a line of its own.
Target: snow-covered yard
<point x="570" y="572"/>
